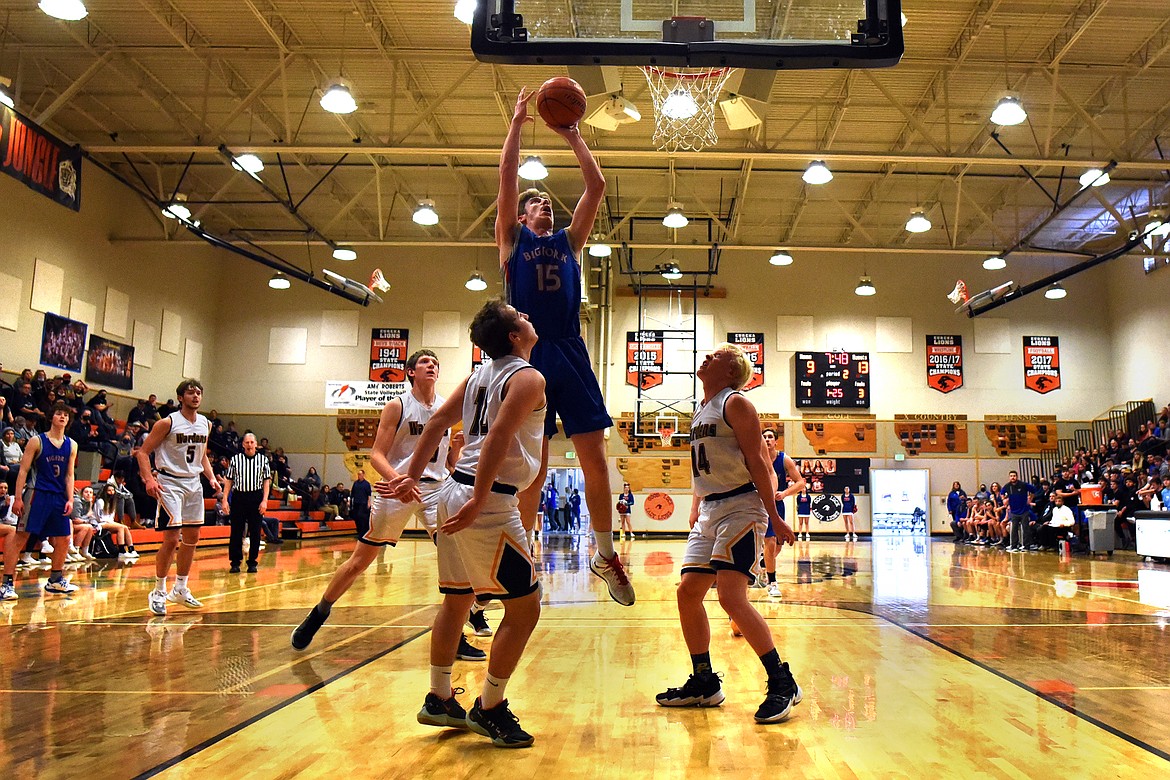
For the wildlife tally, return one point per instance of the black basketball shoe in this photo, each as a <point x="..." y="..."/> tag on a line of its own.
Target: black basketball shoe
<point x="444" y="713"/>
<point x="477" y="622"/>
<point x="303" y="634"/>
<point x="700" y="690"/>
<point x="783" y="695"/>
<point x="499" y="724"/>
<point x="468" y="651"/>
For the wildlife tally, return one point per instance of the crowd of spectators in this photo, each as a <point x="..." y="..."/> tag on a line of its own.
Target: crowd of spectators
<point x="25" y="411"/>
<point x="1131" y="472"/>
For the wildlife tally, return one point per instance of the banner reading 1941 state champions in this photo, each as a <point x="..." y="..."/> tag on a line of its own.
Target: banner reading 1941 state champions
<point x="1042" y="363"/>
<point x="388" y="355"/>
<point x="644" y="358"/>
<point x="944" y="362"/>
<point x="753" y="345"/>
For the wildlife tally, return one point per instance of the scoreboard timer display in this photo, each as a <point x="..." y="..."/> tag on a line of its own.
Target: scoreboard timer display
<point x="832" y="379"/>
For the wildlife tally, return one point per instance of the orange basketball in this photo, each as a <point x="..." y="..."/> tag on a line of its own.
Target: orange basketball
<point x="560" y="102"/>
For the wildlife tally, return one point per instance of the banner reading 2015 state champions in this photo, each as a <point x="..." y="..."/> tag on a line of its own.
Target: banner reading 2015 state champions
<point x="43" y="162"/>
<point x="753" y="345"/>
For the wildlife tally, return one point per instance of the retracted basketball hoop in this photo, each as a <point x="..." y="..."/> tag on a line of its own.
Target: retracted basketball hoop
<point x="378" y="281"/>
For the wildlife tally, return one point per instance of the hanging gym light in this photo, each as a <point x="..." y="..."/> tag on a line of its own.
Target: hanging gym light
<point x="425" y="214"/>
<point x="1009" y="111"/>
<point x="475" y="282"/>
<point x="1055" y="292"/>
<point x="817" y="173"/>
<point x="338" y="99"/>
<point x="918" y="223"/>
<point x="1094" y="177"/>
<point x="279" y="281"/>
<point x="671" y="271"/>
<point x="465" y="10"/>
<point x="67" y="10"/>
<point x="599" y="248"/>
<point x="533" y="169"/>
<point x="865" y="287"/>
<point x="780" y="257"/>
<point x="344" y="254"/>
<point x="994" y="263"/>
<point x="675" y="218"/>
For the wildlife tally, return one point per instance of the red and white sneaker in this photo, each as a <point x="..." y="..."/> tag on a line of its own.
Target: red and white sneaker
<point x="614" y="573"/>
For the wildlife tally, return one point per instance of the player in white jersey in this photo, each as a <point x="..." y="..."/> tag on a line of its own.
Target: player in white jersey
<point x="733" y="502"/>
<point x="483" y="548"/>
<point x="399" y="428"/>
<point x="179" y="445"/>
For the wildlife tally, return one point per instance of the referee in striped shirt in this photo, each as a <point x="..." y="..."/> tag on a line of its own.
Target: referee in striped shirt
<point x="248" y="478"/>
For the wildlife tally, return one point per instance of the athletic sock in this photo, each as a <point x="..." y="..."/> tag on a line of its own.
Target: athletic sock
<point x="131" y="547"/>
<point x="160" y="584"/>
<point x="181" y="582"/>
<point x="476" y="607"/>
<point x="701" y="662"/>
<point x="121" y="548"/>
<point x="324" y="607"/>
<point x="604" y="543"/>
<point x="771" y="577"/>
<point x="441" y="681"/>
<point x="771" y="662"/>
<point x="56" y="575"/>
<point x="7" y="579"/>
<point x="493" y="691"/>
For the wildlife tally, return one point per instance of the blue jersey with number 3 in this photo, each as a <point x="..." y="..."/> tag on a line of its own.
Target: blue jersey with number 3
<point x="52" y="463"/>
<point x="544" y="282"/>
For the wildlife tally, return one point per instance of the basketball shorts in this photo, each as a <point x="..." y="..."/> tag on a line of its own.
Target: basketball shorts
<point x="180" y="502"/>
<point x="44" y="516"/>
<point x="770" y="532"/>
<point x="571" y="387"/>
<point x="389" y="516"/>
<point x="727" y="535"/>
<point x="489" y="558"/>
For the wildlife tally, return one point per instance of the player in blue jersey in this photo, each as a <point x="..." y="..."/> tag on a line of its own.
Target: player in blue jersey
<point x="50" y="457"/>
<point x="789" y="482"/>
<point x="543" y="280"/>
<point x="848" y="510"/>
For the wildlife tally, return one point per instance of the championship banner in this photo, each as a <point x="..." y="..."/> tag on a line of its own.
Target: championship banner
<point x="359" y="394"/>
<point x="388" y="355"/>
<point x="944" y="363"/>
<point x="644" y="356"/>
<point x="478" y="357"/>
<point x="42" y="161"/>
<point x="1042" y="363"/>
<point x="753" y="345"/>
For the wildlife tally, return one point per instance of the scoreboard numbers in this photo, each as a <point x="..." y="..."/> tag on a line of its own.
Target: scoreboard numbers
<point x="835" y="380"/>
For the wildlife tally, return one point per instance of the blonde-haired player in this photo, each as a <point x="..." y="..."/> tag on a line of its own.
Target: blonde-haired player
<point x="733" y="502"/>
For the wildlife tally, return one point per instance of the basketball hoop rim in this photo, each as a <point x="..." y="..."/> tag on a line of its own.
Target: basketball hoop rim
<point x="706" y="73"/>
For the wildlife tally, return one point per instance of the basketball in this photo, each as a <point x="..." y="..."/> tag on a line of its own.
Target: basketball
<point x="560" y="102"/>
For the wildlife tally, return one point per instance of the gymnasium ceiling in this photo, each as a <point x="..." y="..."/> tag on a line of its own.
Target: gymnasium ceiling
<point x="148" y="86"/>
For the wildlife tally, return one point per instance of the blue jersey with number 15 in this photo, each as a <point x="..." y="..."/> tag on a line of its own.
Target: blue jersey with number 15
<point x="544" y="282"/>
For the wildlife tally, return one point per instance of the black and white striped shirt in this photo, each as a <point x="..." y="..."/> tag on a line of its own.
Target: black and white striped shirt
<point x="248" y="474"/>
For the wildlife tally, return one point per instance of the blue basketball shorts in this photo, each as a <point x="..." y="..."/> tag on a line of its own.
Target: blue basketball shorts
<point x="571" y="387"/>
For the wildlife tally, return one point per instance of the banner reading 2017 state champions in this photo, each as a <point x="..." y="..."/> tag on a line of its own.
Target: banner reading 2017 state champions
<point x="1042" y="363"/>
<point x="43" y="162"/>
<point x="753" y="345"/>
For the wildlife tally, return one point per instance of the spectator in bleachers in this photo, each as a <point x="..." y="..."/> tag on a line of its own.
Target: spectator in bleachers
<point x="281" y="471"/>
<point x="339" y="497"/>
<point x="25" y="430"/>
<point x="1151" y="493"/>
<point x="5" y="413"/>
<point x="232" y="438"/>
<point x="138" y="413"/>
<point x="108" y="517"/>
<point x="7" y="519"/>
<point x="152" y="414"/>
<point x="100" y="407"/>
<point x="85" y="525"/>
<point x="10" y="453"/>
<point x="125" y="505"/>
<point x="312" y="478"/>
<point x="85" y="433"/>
<point x="1128" y="504"/>
<point x="25" y="406"/>
<point x="1060" y="523"/>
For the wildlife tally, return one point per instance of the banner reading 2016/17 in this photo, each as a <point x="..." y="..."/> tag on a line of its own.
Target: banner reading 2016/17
<point x="753" y="345"/>
<point x="944" y="363"/>
<point x="1042" y="363"/>
<point x="388" y="355"/>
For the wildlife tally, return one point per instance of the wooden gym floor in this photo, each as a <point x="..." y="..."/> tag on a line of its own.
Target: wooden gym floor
<point x="915" y="659"/>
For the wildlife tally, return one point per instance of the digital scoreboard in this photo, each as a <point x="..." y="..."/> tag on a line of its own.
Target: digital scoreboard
<point x="838" y="380"/>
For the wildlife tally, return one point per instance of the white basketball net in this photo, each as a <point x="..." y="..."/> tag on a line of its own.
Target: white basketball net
<point x="684" y="106"/>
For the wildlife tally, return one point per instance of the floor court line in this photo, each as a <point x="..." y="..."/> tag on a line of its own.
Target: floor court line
<point x="217" y="738"/>
<point x="1039" y="694"/>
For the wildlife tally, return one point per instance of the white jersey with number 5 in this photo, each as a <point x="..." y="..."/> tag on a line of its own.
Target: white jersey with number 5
<point x="481" y="403"/>
<point x="717" y="463"/>
<point x="410" y="426"/>
<point x="181" y="452"/>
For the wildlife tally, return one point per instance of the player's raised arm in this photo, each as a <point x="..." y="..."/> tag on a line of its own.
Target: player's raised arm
<point x="585" y="214"/>
<point x="508" y="198"/>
